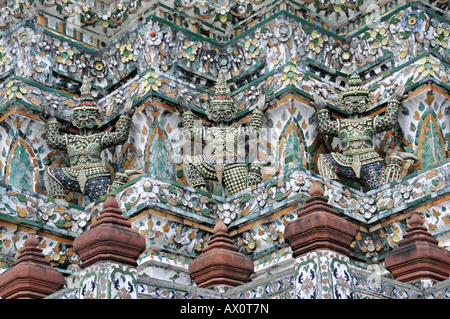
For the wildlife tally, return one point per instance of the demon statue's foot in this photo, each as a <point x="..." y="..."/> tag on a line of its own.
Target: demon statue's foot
<point x="132" y="172"/>
<point x="122" y="177"/>
<point x="405" y="156"/>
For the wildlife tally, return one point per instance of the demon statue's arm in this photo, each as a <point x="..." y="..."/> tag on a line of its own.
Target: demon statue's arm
<point x="258" y="115"/>
<point x="187" y="121"/>
<point x="326" y="125"/>
<point x="120" y="135"/>
<point x="53" y="137"/>
<point x="388" y="120"/>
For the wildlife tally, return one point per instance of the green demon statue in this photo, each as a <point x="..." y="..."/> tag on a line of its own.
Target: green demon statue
<point x="86" y="173"/>
<point x="222" y="159"/>
<point x="358" y="160"/>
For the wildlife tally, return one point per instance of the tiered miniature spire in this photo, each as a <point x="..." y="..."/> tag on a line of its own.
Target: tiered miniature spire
<point x="354" y="85"/>
<point x="220" y="263"/>
<point x="222" y="91"/>
<point x="87" y="100"/>
<point x="418" y="256"/>
<point x="319" y="227"/>
<point x="110" y="238"/>
<point x="31" y="276"/>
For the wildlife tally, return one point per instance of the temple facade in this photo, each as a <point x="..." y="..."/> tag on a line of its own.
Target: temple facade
<point x="225" y="149"/>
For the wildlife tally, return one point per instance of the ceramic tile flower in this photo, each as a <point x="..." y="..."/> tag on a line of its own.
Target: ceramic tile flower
<point x="345" y="55"/>
<point x="378" y="37"/>
<point x="412" y="20"/>
<point x="190" y="49"/>
<point x="150" y="190"/>
<point x="24" y="37"/>
<point x="46" y="213"/>
<point x="290" y="75"/>
<point x="155" y="34"/>
<point x="151" y="81"/>
<point x="282" y="30"/>
<point x="51" y="100"/>
<point x="223" y="61"/>
<point x="148" y="186"/>
<point x="65" y="56"/>
<point x="227" y="212"/>
<point x="98" y="67"/>
<point x="186" y="93"/>
<point x="441" y="37"/>
<point x="88" y="15"/>
<point x="251" y="50"/>
<point x="4" y="59"/>
<point x="66" y="7"/>
<point x="262" y="197"/>
<point x="298" y="182"/>
<point x="263" y="35"/>
<point x="253" y="94"/>
<point x="223" y="12"/>
<point x="119" y="14"/>
<point x="426" y="67"/>
<point x="81" y="218"/>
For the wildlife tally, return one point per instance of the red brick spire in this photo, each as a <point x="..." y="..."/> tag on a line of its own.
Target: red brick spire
<point x="110" y="238"/>
<point x="221" y="264"/>
<point x="31" y="276"/>
<point x="318" y="226"/>
<point x="418" y="255"/>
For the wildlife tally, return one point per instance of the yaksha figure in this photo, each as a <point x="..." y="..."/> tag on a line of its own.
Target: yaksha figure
<point x="86" y="173"/>
<point x="358" y="160"/>
<point x="222" y="158"/>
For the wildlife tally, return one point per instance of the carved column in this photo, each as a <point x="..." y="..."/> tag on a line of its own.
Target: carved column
<point x="418" y="256"/>
<point x="320" y="241"/>
<point x="31" y="276"/>
<point x="109" y="251"/>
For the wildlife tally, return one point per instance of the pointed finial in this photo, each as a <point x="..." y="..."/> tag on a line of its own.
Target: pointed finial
<point x="316" y="189"/>
<point x="220" y="226"/>
<point x="111" y="202"/>
<point x="221" y="87"/>
<point x="31" y="241"/>
<point x="354" y="85"/>
<point x="86" y="98"/>
<point x="222" y="94"/>
<point x="85" y="90"/>
<point x="415" y="220"/>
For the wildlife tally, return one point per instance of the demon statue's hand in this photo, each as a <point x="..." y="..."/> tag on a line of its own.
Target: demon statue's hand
<point x="399" y="94"/>
<point x="182" y="105"/>
<point x="318" y="103"/>
<point x="47" y="113"/>
<point x="128" y="108"/>
<point x="261" y="105"/>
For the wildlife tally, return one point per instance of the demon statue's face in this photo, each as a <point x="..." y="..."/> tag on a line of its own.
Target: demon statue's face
<point x="221" y="111"/>
<point x="355" y="104"/>
<point x="355" y="98"/>
<point x="86" y="117"/>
